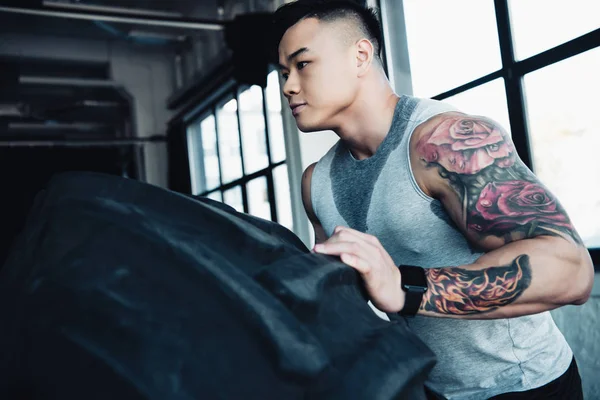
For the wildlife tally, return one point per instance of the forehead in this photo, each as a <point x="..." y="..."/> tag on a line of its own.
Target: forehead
<point x="310" y="33"/>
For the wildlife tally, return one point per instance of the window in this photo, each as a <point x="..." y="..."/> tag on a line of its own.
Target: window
<point x="539" y="25"/>
<point x="275" y="120"/>
<point x="253" y="130"/>
<point x="237" y="152"/>
<point x="534" y="72"/>
<point x="488" y="100"/>
<point x="562" y="110"/>
<point x="448" y="47"/>
<point x="229" y="141"/>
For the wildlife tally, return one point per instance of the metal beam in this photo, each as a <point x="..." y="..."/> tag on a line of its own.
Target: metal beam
<point x="84" y="142"/>
<point x="48" y="80"/>
<point x="181" y="23"/>
<point x="107" y="9"/>
<point x="55" y="126"/>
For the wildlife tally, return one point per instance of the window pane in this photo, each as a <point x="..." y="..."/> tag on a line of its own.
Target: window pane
<point x="254" y="139"/>
<point x="450" y="43"/>
<point x="539" y="25"/>
<point x="258" y="200"/>
<point x="215" y="196"/>
<point x="209" y="147"/>
<point x="195" y="157"/>
<point x="282" y="196"/>
<point x="202" y="152"/>
<point x="562" y="105"/>
<point x="273" y="92"/>
<point x="229" y="141"/>
<point x="275" y="121"/>
<point x="233" y="197"/>
<point x="488" y="100"/>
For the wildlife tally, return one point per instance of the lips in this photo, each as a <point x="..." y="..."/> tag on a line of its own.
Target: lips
<point x="297" y="107"/>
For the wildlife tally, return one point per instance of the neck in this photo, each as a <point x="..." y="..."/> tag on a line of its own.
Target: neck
<point x="365" y="124"/>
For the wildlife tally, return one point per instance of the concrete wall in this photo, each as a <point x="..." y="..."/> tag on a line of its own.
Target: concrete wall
<point x="146" y="72"/>
<point x="581" y="327"/>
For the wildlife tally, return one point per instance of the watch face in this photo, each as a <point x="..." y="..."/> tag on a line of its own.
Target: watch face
<point x="413" y="277"/>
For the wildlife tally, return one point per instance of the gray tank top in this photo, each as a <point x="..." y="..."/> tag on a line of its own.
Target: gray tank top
<point x="477" y="359"/>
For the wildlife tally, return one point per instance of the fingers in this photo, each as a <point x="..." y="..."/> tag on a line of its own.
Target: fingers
<point x="337" y="248"/>
<point x="359" y="264"/>
<point x="349" y="252"/>
<point x="364" y="236"/>
<point x="344" y="234"/>
<point x="354" y="250"/>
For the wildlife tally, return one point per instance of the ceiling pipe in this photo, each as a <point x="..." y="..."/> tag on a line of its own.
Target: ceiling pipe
<point x="79" y="143"/>
<point x="57" y="81"/>
<point x="110" y="9"/>
<point x="181" y="23"/>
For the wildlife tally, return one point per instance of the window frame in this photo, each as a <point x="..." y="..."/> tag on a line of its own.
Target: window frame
<point x="232" y="90"/>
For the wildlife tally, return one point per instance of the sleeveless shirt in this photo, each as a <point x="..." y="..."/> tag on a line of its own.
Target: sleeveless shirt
<point x="379" y="195"/>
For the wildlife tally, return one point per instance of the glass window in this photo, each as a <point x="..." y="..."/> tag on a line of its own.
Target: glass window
<point x="202" y="151"/>
<point x="215" y="141"/>
<point x="233" y="197"/>
<point x="488" y="100"/>
<point x="450" y="43"/>
<point x="562" y="106"/>
<point x="211" y="158"/>
<point x="539" y="25"/>
<point x="229" y="141"/>
<point x="195" y="157"/>
<point x="276" y="137"/>
<point x="215" y="196"/>
<point x="282" y="196"/>
<point x="258" y="199"/>
<point x="254" y="139"/>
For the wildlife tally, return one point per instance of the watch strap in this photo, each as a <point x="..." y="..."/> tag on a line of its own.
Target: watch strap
<point x="414" y="284"/>
<point x="412" y="302"/>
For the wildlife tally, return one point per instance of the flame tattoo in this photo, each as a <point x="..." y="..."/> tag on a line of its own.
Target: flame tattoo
<point x="459" y="291"/>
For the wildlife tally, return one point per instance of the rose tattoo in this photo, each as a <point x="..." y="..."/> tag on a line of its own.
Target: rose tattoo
<point x="466" y="146"/>
<point x="508" y="205"/>
<point x="499" y="195"/>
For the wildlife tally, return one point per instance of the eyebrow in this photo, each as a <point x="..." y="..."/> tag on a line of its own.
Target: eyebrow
<point x="294" y="55"/>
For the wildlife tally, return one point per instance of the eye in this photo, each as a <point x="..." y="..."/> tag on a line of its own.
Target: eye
<point x="301" y="64"/>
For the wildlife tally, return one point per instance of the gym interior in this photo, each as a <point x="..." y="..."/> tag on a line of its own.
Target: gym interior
<point x="181" y="95"/>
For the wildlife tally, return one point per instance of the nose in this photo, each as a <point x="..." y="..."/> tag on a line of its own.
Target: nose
<point x="291" y="86"/>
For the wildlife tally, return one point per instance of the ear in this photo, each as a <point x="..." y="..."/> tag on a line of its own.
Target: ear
<point x="364" y="56"/>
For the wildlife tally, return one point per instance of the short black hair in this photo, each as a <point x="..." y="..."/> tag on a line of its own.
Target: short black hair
<point x="289" y="14"/>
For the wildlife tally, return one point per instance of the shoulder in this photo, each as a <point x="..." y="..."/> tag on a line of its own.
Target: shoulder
<point x="307" y="174"/>
<point x="306" y="190"/>
<point x="427" y="127"/>
<point x="460" y="144"/>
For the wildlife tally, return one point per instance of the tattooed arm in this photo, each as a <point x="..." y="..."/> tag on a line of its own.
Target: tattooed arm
<point x="535" y="259"/>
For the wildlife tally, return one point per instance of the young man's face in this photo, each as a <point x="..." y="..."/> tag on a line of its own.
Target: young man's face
<point x="319" y="72"/>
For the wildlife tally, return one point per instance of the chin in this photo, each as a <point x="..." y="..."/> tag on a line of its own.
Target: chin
<point x="309" y="126"/>
<point x="308" y="129"/>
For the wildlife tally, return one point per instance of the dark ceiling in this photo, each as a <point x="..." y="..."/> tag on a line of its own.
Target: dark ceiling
<point x="103" y="30"/>
<point x="56" y="102"/>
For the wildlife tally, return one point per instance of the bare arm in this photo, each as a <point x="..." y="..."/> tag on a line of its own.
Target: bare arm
<point x="535" y="259"/>
<point x="320" y="235"/>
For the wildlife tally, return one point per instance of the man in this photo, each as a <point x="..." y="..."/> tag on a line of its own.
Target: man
<point x="486" y="250"/>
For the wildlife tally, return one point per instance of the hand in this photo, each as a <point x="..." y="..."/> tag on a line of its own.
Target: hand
<point x="365" y="254"/>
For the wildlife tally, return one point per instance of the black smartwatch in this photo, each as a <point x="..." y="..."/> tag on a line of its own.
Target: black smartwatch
<point x="414" y="283"/>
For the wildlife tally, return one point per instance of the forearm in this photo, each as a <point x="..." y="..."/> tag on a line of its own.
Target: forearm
<point x="521" y="278"/>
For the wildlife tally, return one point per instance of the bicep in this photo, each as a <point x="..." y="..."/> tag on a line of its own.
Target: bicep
<point x="320" y="235"/>
<point x="470" y="164"/>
